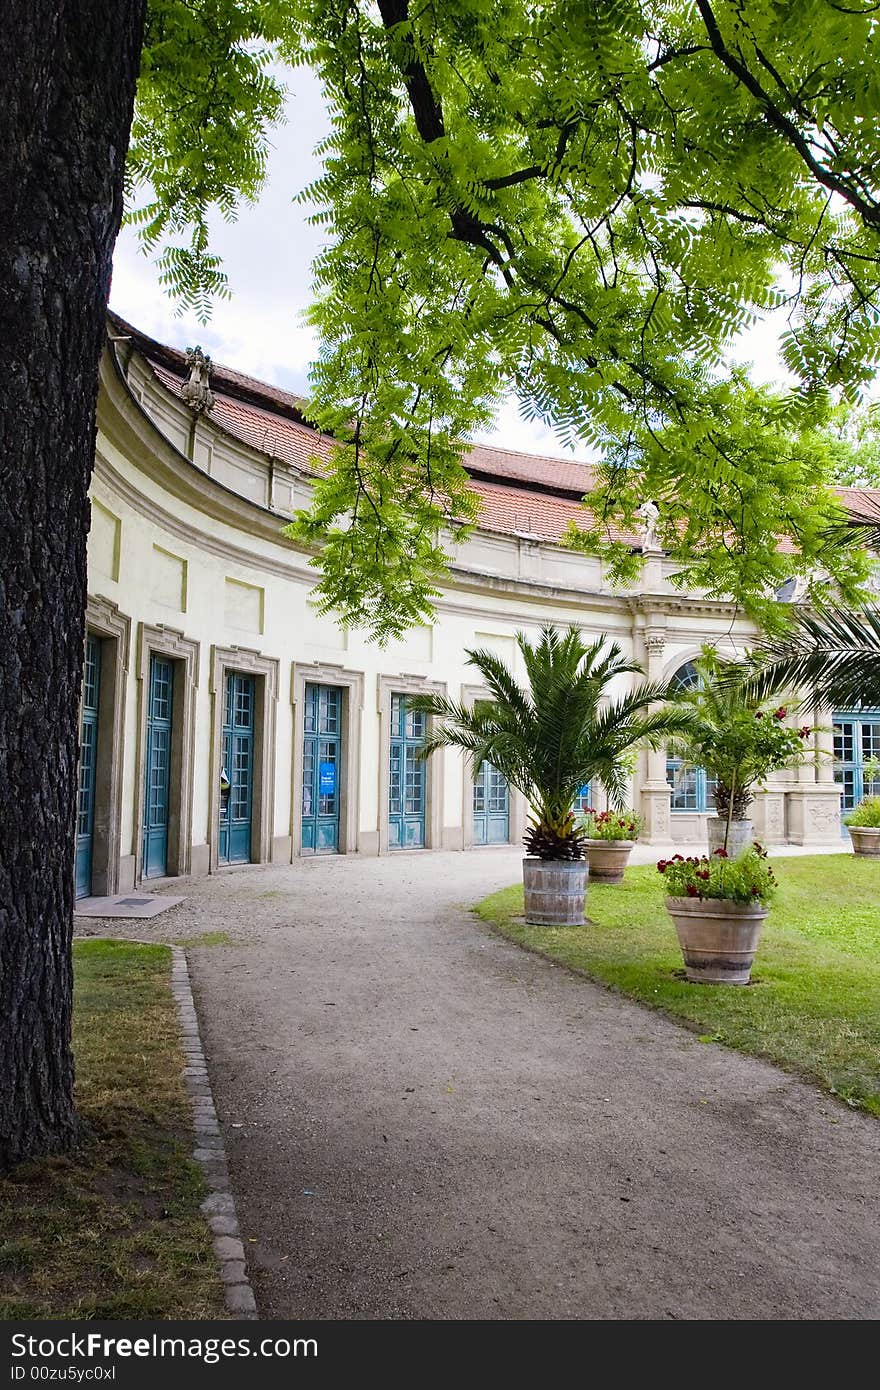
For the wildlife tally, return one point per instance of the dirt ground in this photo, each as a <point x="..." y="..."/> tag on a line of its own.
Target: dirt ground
<point x="422" y="1121"/>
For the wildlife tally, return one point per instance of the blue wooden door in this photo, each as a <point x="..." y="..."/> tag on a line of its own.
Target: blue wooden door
<point x="491" y="807"/>
<point x="88" y="758"/>
<point x="322" y="754"/>
<point x="157" y="768"/>
<point x="407" y="777"/>
<point x="237" y="776"/>
<point x="856" y="742"/>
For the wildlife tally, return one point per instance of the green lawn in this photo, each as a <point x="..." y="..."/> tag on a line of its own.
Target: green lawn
<point x="113" y="1230"/>
<point x="814" y="1003"/>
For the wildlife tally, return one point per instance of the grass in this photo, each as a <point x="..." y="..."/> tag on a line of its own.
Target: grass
<point x="814" y="1004"/>
<point x="113" y="1230"/>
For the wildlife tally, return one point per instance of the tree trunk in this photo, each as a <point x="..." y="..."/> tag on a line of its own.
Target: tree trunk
<point x="69" y="71"/>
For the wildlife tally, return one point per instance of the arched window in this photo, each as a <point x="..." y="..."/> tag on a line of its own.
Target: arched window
<point x="691" y="789"/>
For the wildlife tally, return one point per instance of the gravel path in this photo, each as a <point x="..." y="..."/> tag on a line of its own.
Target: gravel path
<point x="423" y="1121"/>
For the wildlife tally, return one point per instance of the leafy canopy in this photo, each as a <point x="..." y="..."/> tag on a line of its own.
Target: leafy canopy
<point x="559" y="732"/>
<point x="852" y="434"/>
<point x="206" y="100"/>
<point x="583" y="203"/>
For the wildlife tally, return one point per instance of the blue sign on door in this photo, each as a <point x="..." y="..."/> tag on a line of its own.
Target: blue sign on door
<point x="322" y="751"/>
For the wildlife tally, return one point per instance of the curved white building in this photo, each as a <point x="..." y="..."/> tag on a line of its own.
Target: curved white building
<point x="224" y="721"/>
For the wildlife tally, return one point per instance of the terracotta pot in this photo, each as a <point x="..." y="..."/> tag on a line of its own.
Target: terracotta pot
<point x="718" y="938"/>
<point x="865" y="840"/>
<point x="555" y="890"/>
<point x="741" y="835"/>
<point x="608" y="859"/>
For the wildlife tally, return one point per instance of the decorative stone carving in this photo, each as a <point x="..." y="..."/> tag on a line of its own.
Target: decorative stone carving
<point x="822" y="816"/>
<point x="649" y="515"/>
<point x="197" y="390"/>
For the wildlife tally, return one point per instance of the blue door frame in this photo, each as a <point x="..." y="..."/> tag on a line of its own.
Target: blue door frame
<point x="856" y="740"/>
<point x="237" y="776"/>
<point x="407" y="781"/>
<point x="322" y="761"/>
<point x="491" y="807"/>
<point x="88" y="759"/>
<point x="157" y="768"/>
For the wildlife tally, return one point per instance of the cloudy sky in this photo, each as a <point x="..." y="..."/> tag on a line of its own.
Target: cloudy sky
<point x="267" y="255"/>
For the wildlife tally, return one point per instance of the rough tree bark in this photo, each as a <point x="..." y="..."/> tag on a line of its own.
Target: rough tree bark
<point x="69" y="71"/>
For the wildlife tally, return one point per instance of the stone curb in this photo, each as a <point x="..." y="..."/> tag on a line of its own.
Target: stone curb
<point x="209" y="1152"/>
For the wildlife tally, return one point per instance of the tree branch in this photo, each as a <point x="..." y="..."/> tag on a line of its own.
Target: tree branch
<point x="868" y="211"/>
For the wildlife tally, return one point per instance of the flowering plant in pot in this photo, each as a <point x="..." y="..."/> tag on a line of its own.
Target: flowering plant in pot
<point x="548" y="739"/>
<point x="610" y="837"/>
<point x="719" y="905"/>
<point x="738" y="742"/>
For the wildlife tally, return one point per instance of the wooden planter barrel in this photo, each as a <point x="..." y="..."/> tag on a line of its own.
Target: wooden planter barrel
<point x="555" y="890"/>
<point x="865" y="840"/>
<point x="718" y="938"/>
<point x="741" y="835"/>
<point x="608" y="859"/>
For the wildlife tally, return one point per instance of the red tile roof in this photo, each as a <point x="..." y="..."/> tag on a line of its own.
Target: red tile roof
<point x="271" y="421"/>
<point x="862" y="501"/>
<point x="515" y="510"/>
<point x="264" y="430"/>
<point x="519" y="511"/>
<point x="564" y="474"/>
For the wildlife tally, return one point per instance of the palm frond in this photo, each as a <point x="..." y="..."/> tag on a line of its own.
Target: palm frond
<point x="561" y="731"/>
<point x="833" y="656"/>
<point x="860" y="527"/>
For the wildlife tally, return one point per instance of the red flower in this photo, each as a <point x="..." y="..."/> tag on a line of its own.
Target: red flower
<point x="805" y="731"/>
<point x="692" y="891"/>
<point x="721" y="853"/>
<point x="781" y="713"/>
<point x="661" y="866"/>
<point x="758" y="714"/>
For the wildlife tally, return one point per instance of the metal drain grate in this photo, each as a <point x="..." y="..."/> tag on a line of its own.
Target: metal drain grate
<point x="134" y="902"/>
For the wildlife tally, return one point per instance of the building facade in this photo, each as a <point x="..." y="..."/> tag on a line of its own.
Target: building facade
<point x="225" y="721"/>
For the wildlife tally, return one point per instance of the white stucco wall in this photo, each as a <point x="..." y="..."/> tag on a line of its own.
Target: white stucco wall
<point x="171" y="548"/>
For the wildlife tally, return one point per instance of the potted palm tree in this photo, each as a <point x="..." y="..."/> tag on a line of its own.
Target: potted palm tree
<point x="548" y="740"/>
<point x="738" y="742"/>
